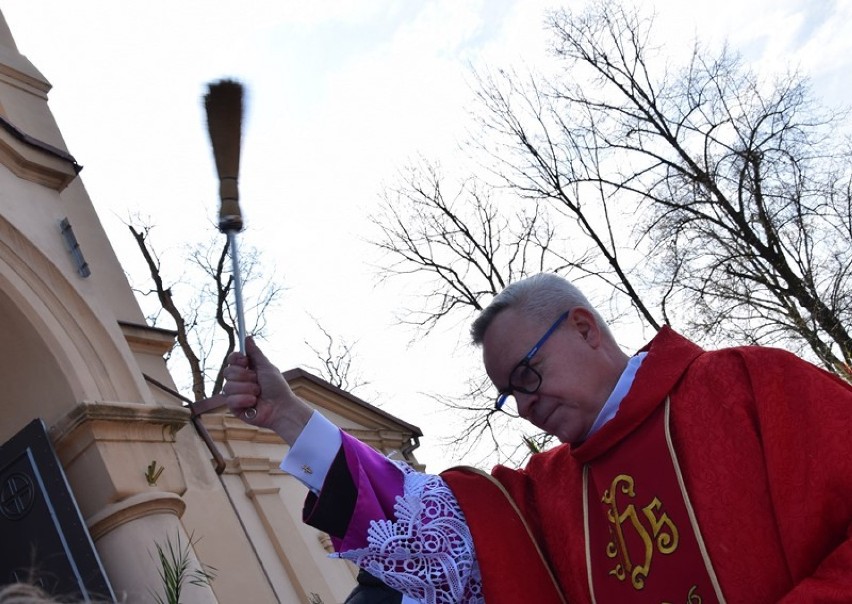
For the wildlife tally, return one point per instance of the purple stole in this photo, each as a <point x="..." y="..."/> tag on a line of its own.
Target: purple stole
<point x="643" y="543"/>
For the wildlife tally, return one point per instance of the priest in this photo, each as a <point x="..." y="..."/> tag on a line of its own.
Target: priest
<point x="684" y="475"/>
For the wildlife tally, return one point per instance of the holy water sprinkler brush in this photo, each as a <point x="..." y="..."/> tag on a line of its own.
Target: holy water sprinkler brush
<point x="224" y="105"/>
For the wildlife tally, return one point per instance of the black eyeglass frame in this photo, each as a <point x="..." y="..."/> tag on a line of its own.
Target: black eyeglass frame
<point x="525" y="362"/>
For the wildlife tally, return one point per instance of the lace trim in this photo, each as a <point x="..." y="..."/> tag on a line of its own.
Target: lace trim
<point x="427" y="552"/>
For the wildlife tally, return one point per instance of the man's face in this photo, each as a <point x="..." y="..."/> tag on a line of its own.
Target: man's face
<point x="572" y="388"/>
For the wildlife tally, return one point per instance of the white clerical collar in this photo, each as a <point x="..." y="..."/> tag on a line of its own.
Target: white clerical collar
<point x="621" y="389"/>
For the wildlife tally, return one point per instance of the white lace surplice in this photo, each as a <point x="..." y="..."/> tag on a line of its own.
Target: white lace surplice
<point x="427" y="552"/>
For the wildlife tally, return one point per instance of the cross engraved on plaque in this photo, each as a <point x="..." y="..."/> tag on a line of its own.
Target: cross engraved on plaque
<point x="16" y="496"/>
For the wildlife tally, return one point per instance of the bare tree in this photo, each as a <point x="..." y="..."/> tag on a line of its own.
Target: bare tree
<point x="699" y="194"/>
<point x="460" y="248"/>
<point x="203" y="316"/>
<point x="734" y="189"/>
<point x="336" y="358"/>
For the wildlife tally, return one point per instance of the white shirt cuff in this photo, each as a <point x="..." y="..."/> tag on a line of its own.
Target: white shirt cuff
<point x="311" y="456"/>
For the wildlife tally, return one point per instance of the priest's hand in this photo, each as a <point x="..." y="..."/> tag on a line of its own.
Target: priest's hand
<point x="257" y="393"/>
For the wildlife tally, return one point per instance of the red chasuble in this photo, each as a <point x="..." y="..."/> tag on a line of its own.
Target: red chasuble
<point x="753" y="469"/>
<point x="504" y="542"/>
<point x="643" y="543"/>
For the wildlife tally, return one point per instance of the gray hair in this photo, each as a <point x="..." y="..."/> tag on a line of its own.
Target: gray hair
<point x="25" y="593"/>
<point x="543" y="296"/>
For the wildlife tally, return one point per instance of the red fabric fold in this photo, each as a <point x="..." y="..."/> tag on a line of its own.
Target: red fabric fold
<point x="503" y="542"/>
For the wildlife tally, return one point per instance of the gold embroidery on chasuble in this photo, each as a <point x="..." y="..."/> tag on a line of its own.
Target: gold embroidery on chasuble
<point x="643" y="543"/>
<point x="655" y="530"/>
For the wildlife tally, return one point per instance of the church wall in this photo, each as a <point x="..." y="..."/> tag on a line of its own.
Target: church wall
<point x="77" y="352"/>
<point x="221" y="540"/>
<point x="67" y="359"/>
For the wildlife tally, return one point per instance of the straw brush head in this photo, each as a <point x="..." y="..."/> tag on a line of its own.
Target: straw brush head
<point x="224" y="105"/>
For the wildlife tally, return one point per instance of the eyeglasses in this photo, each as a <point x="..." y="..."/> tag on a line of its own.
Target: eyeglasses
<point x="524" y="378"/>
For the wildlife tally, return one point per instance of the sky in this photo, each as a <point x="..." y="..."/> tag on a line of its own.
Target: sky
<point x="342" y="95"/>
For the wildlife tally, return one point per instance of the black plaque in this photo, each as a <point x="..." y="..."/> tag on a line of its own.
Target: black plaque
<point x="43" y="538"/>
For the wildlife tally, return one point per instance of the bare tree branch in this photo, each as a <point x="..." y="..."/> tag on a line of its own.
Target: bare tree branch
<point x="700" y="193"/>
<point x="203" y="315"/>
<point x="336" y="360"/>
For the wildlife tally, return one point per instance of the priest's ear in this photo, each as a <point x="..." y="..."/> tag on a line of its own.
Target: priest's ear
<point x="587" y="325"/>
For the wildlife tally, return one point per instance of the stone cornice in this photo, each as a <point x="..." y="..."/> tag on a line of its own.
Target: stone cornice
<point x="18" y="71"/>
<point x="136" y="506"/>
<point x="115" y="421"/>
<point x="34" y="160"/>
<point x="144" y="338"/>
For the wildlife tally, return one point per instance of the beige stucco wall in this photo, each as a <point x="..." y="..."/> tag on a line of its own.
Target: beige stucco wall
<point x="294" y="556"/>
<point x="76" y="352"/>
